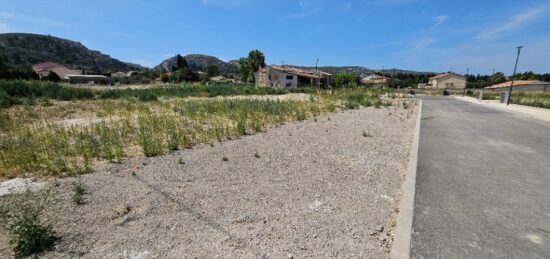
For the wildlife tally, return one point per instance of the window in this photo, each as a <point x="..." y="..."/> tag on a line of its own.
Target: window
<point x="290" y="77"/>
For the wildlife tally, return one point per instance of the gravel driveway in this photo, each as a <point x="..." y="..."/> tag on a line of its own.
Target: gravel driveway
<point x="316" y="188"/>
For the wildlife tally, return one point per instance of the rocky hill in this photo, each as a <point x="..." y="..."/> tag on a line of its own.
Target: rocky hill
<point x="363" y="71"/>
<point x="199" y="62"/>
<point x="29" y="49"/>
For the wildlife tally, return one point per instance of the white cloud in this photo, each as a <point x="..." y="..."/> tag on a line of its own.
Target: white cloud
<point x="518" y="21"/>
<point x="33" y="19"/>
<point x="440" y="19"/>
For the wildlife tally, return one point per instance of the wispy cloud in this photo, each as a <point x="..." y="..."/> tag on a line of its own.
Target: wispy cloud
<point x="33" y="19"/>
<point x="440" y="19"/>
<point x="518" y="21"/>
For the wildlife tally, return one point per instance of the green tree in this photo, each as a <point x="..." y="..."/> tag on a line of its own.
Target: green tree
<point x="345" y="81"/>
<point x="181" y="63"/>
<point x="54" y="77"/>
<point x="250" y="65"/>
<point x="212" y="71"/>
<point x="164" y="77"/>
<point x="244" y="69"/>
<point x="499" y="77"/>
<point x="256" y="60"/>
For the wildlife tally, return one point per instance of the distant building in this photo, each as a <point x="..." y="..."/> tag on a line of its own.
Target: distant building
<point x="44" y="69"/>
<point x="87" y="79"/>
<point x="521" y="85"/>
<point x="119" y="74"/>
<point x="290" y="77"/>
<point x="445" y="81"/>
<point x="374" y="79"/>
<point x="131" y="73"/>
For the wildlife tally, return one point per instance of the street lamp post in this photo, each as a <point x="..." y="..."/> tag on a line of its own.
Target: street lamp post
<point x="466" y="85"/>
<point x="514" y="76"/>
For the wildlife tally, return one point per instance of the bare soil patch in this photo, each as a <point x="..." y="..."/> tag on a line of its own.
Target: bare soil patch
<point x="316" y="188"/>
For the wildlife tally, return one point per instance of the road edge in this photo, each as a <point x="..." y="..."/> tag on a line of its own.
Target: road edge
<point x="403" y="233"/>
<point x="536" y="113"/>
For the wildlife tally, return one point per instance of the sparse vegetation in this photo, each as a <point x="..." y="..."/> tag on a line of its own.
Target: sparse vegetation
<point x="34" y="139"/>
<point x="534" y="99"/>
<point x="367" y="134"/>
<point x="79" y="190"/>
<point x="26" y="223"/>
<point x="181" y="161"/>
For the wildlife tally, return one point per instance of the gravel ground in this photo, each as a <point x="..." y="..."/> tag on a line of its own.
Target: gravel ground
<point x="316" y="188"/>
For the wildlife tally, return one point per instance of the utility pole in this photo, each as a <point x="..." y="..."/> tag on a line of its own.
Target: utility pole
<point x="493" y="77"/>
<point x="318" y="75"/>
<point x="466" y="86"/>
<point x="514" y="75"/>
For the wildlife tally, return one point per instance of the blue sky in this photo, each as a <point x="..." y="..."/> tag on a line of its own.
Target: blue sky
<point x="425" y="35"/>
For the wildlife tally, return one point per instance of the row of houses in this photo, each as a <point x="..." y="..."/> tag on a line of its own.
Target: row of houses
<point x="74" y="75"/>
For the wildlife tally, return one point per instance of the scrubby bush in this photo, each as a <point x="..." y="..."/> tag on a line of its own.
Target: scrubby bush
<point x="26" y="223"/>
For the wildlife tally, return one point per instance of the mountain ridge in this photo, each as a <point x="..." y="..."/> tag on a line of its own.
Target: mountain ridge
<point x="28" y="49"/>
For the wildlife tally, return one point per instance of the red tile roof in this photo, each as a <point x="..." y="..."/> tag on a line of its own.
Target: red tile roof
<point x="445" y="75"/>
<point x="516" y="83"/>
<point x="47" y="66"/>
<point x="300" y="72"/>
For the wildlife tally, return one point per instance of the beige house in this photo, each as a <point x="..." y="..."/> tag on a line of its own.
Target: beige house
<point x="290" y="77"/>
<point x="446" y="81"/>
<point x="374" y="79"/>
<point x="119" y="74"/>
<point x="43" y="70"/>
<point x="87" y="79"/>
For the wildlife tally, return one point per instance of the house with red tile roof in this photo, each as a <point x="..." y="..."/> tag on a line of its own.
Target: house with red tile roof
<point x="44" y="69"/>
<point x="521" y="85"/>
<point x="446" y="81"/>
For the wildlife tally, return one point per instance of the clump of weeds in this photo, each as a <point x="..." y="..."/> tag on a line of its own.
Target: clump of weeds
<point x="79" y="190"/>
<point x="367" y="134"/>
<point x="26" y="222"/>
<point x="180" y="161"/>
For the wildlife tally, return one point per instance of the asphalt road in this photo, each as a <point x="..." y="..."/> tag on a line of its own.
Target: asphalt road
<point x="483" y="183"/>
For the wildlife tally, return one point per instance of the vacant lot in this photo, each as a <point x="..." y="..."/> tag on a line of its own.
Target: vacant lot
<point x="243" y="174"/>
<point x="322" y="187"/>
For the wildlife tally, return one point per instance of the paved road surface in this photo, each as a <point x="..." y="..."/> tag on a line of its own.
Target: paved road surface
<point x="483" y="186"/>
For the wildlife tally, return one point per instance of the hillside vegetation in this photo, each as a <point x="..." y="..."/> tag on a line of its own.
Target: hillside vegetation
<point x="199" y="62"/>
<point x="23" y="49"/>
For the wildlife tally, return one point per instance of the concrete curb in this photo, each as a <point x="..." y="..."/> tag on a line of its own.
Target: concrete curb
<point x="402" y="240"/>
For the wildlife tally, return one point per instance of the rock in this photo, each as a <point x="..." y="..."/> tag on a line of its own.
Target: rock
<point x="380" y="228"/>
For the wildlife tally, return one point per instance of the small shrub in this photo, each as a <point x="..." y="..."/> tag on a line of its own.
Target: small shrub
<point x="367" y="134"/>
<point x="28" y="228"/>
<point x="225" y="159"/>
<point x="180" y="161"/>
<point x="79" y="190"/>
<point x="257" y="155"/>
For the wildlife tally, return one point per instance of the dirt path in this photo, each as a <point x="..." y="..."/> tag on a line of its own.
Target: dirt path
<point x="317" y="188"/>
